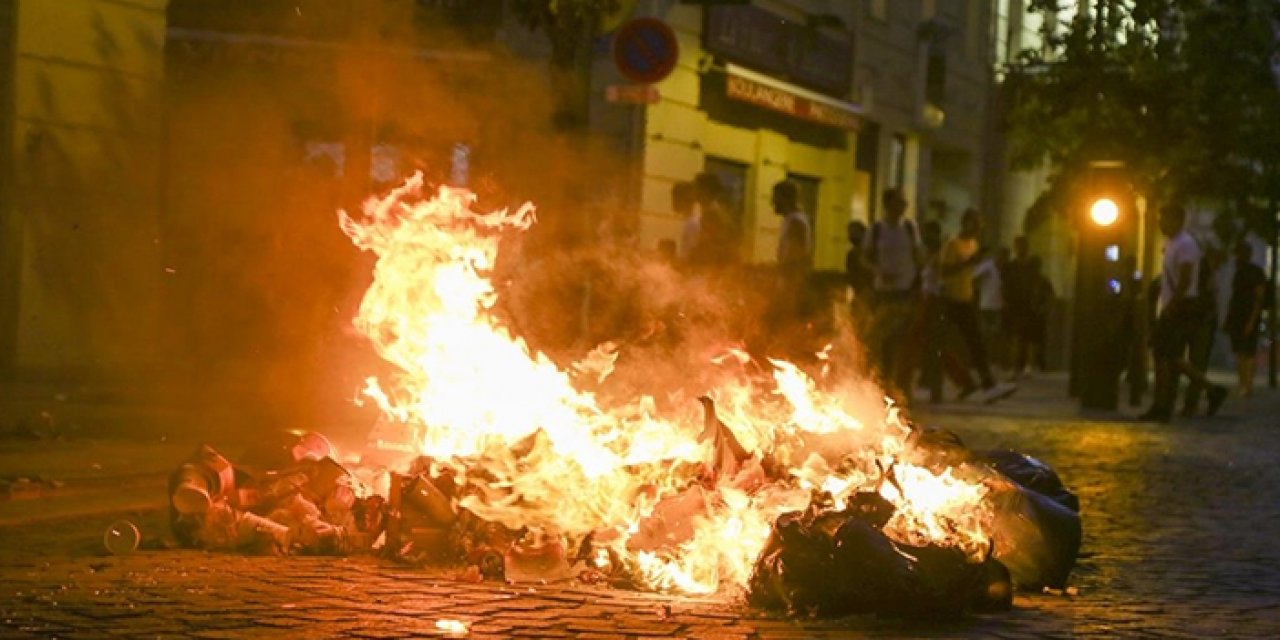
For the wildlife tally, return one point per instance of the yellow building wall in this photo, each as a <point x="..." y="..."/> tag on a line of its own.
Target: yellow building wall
<point x="87" y="129"/>
<point x="679" y="137"/>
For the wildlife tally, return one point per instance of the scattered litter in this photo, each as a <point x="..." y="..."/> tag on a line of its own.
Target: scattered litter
<point x="121" y="537"/>
<point x="453" y="627"/>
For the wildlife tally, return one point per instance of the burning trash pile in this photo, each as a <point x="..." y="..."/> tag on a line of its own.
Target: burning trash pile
<point x="801" y="489"/>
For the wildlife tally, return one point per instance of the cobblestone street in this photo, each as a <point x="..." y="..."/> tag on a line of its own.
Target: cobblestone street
<point x="1180" y="531"/>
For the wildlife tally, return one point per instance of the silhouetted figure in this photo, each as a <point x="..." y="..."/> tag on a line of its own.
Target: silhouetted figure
<point x="1178" y="318"/>
<point x="1244" y="312"/>
<point x="927" y="346"/>
<point x="1038" y="300"/>
<point x="794" y="253"/>
<point x="1206" y="303"/>
<point x="988" y="277"/>
<point x="857" y="272"/>
<point x="717" y="239"/>
<point x="684" y="202"/>
<point x="894" y="255"/>
<point x="795" y="238"/>
<point x="1014" y="279"/>
<point x="959" y="258"/>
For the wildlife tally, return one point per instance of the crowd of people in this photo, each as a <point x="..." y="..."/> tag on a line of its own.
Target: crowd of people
<point x="933" y="309"/>
<point x="1186" y="318"/>
<point x="926" y="304"/>
<point x="936" y="307"/>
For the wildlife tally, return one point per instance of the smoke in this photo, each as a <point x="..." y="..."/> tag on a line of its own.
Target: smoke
<point x="276" y="121"/>
<point x="668" y="325"/>
<point x="269" y="138"/>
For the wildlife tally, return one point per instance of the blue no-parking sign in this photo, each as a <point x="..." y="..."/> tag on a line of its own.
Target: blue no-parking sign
<point x="645" y="50"/>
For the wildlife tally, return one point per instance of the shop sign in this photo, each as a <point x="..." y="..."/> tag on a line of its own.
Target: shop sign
<point x="632" y="94"/>
<point x="778" y="99"/>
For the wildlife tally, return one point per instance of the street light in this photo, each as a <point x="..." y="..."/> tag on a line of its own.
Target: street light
<point x="1104" y="212"/>
<point x="1107" y="219"/>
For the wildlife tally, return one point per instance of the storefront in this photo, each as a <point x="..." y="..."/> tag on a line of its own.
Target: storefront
<point x="757" y="97"/>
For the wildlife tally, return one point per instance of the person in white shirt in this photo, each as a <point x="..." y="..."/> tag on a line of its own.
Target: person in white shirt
<point x="795" y="239"/>
<point x="684" y="203"/>
<point x="895" y="256"/>
<point x="990" y="286"/>
<point x="1177" y="318"/>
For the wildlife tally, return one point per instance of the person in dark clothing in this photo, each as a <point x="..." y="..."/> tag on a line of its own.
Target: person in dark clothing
<point x="1202" y="338"/>
<point x="1178" y="318"/>
<point x="858" y="275"/>
<point x="1037" y="300"/>
<point x="857" y="272"/>
<point x="1248" y="292"/>
<point x="1013" y="283"/>
<point x="717" y="238"/>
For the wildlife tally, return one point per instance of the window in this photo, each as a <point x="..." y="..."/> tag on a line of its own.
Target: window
<point x="1001" y="36"/>
<point x="935" y="77"/>
<point x="972" y="29"/>
<point x="897" y="161"/>
<point x="733" y="176"/>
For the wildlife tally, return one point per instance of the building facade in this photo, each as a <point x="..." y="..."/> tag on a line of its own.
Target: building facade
<point x="115" y="111"/>
<point x="923" y="77"/>
<point x="80" y="184"/>
<point x="906" y="107"/>
<point x="730" y="109"/>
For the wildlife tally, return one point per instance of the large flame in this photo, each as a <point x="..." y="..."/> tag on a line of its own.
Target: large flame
<point x="544" y="454"/>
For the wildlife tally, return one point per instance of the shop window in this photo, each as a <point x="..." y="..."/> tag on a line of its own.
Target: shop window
<point x="808" y="187"/>
<point x="733" y="175"/>
<point x="897" y="161"/>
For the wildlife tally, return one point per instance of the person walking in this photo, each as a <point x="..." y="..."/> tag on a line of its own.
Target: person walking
<point x="928" y="347"/>
<point x="684" y="202"/>
<point x="960" y="256"/>
<point x="857" y="272"/>
<point x="1201" y="347"/>
<point x="894" y="255"/>
<point x="717" y="237"/>
<point x="1244" y="310"/>
<point x="1014" y="293"/>
<point x="795" y="238"/>
<point x="988" y="280"/>
<point x="1177" y="318"/>
<point x="790" y="299"/>
<point x="1038" y="300"/>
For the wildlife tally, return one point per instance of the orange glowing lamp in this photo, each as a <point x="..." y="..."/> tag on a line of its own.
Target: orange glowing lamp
<point x="1104" y="212"/>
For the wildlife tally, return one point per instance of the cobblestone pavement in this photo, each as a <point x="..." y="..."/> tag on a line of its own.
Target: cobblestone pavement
<point x="1181" y="524"/>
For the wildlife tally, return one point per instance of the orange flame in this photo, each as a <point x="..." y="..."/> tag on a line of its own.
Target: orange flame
<point x="469" y="391"/>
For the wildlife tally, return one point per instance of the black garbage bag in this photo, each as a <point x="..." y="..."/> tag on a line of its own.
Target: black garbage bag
<point x="1035" y="524"/>
<point x="1032" y="474"/>
<point x="842" y="563"/>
